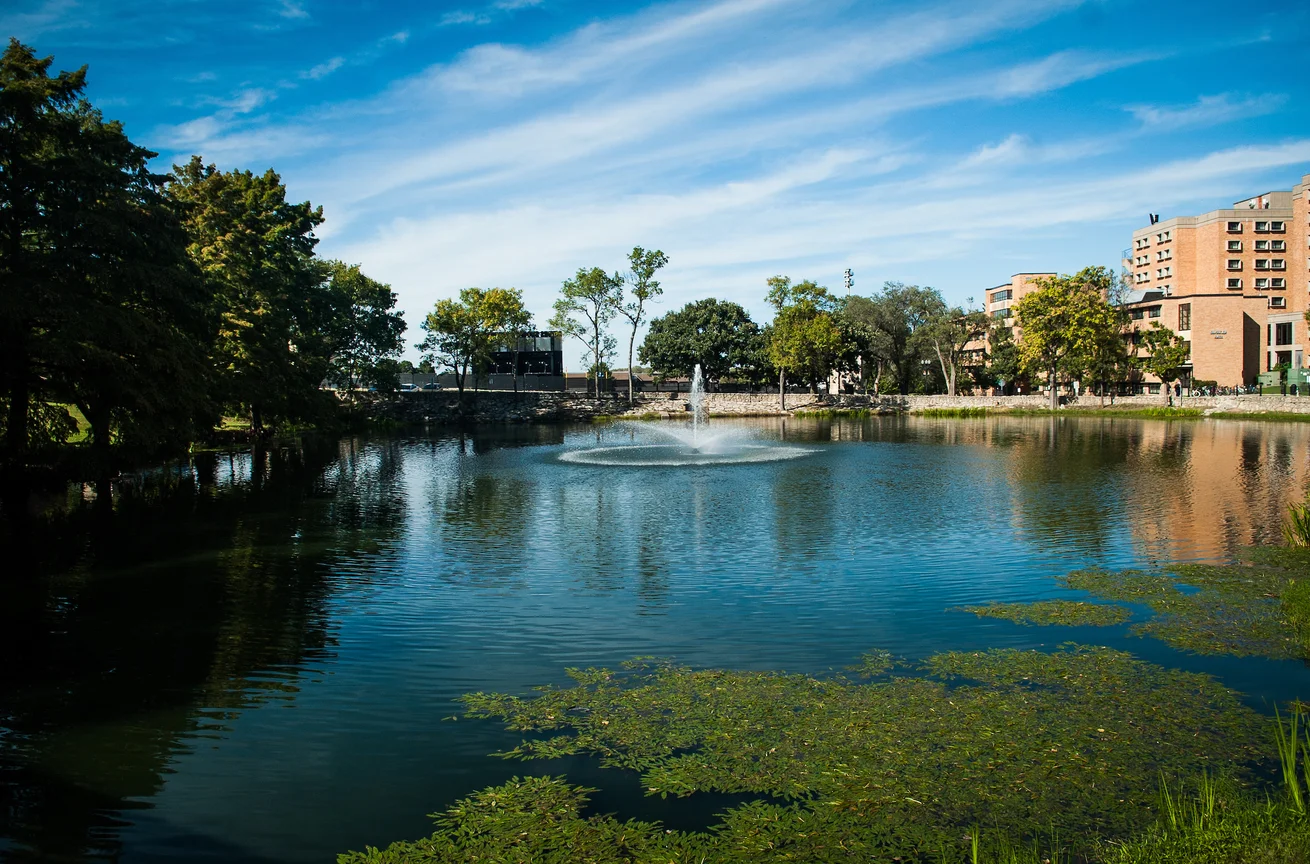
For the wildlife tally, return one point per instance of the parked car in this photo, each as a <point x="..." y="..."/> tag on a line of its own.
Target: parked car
<point x="407" y="387"/>
<point x="432" y="385"/>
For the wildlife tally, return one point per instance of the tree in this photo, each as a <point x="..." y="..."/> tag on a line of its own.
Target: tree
<point x="645" y="288"/>
<point x="269" y="295"/>
<point x="461" y="334"/>
<point x="949" y="334"/>
<point x="100" y="306"/>
<point x="869" y="346"/>
<point x="1063" y="321"/>
<point x="1166" y="354"/>
<point x="716" y="334"/>
<point x="366" y="333"/>
<point x="900" y="311"/>
<point x="1109" y="361"/>
<point x="804" y="339"/>
<point x="1003" y="362"/>
<point x="595" y="295"/>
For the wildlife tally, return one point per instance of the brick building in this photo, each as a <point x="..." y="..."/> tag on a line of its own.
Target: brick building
<point x="1234" y="283"/>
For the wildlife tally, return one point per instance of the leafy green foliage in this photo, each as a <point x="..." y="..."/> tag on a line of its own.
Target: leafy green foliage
<point x="1067" y="612"/>
<point x="1065" y="323"/>
<point x="1165" y="353"/>
<point x="366" y="332"/>
<point x="586" y="305"/>
<point x="645" y="288"/>
<point x="461" y="334"/>
<point x="267" y="292"/>
<point x="100" y="307"/>
<point x="717" y="334"/>
<point x="950" y="335"/>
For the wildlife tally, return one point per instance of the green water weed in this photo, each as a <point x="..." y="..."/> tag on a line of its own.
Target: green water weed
<point x="1049" y="612"/>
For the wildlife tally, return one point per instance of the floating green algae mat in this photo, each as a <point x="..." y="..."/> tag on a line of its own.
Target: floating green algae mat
<point x="1068" y="612"/>
<point x="1024" y="742"/>
<point x="1258" y="607"/>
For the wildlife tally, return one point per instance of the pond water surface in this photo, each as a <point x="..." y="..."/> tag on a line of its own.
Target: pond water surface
<point x="256" y="658"/>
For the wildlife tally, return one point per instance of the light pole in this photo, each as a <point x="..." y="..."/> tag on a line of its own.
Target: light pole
<point x="849" y="280"/>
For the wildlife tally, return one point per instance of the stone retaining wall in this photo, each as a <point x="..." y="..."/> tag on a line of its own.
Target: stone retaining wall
<point x="556" y="407"/>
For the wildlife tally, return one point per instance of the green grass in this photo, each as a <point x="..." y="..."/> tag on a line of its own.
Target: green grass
<point x="1267" y="416"/>
<point x="1046" y="612"/>
<point x="951" y="412"/>
<point x="832" y="413"/>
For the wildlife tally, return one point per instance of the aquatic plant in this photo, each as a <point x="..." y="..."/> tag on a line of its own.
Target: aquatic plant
<point x="1035" y="746"/>
<point x="1045" y="612"/>
<point x="1257" y="607"/>
<point x="1296" y="530"/>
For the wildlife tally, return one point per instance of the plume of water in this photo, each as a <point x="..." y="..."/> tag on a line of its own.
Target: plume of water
<point x="697" y="402"/>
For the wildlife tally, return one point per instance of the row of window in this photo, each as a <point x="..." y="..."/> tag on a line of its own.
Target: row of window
<point x="1163" y="272"/>
<point x="1260" y="264"/>
<point x="1150" y="312"/>
<point x="998" y="296"/>
<point x="1145" y="242"/>
<point x="1260" y="284"/>
<point x="1001" y="313"/>
<point x="1260" y="245"/>
<point x="1260" y="227"/>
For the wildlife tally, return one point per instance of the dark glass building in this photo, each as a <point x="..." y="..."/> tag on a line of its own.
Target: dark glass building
<point x="540" y="352"/>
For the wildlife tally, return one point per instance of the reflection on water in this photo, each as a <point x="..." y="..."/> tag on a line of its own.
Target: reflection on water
<point x="249" y="657"/>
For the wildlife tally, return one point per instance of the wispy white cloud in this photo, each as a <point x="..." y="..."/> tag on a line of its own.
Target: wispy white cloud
<point x="322" y="70"/>
<point x="48" y="17"/>
<point x="1208" y="110"/>
<point x="294" y="9"/>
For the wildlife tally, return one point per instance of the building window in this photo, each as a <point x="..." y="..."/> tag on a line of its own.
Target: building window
<point x="1283" y="333"/>
<point x="1261" y="284"/>
<point x="1262" y="245"/>
<point x="1001" y="313"/>
<point x="1278" y="283"/>
<point x="1261" y="227"/>
<point x="1234" y="227"/>
<point x="1234" y="263"/>
<point x="1234" y="245"/>
<point x="1234" y="283"/>
<point x="1137" y="314"/>
<point x="1184" y="316"/>
<point x="998" y="296"/>
<point x="1153" y="312"/>
<point x="1262" y="263"/>
<point x="1277" y="226"/>
<point x="1277" y="302"/>
<point x="1277" y="245"/>
<point x="1278" y="264"/>
<point x="1188" y="345"/>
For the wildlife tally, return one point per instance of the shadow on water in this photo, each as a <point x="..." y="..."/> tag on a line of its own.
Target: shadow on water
<point x="147" y="625"/>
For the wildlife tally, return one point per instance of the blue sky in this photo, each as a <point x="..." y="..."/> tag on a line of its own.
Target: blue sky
<point x="509" y="142"/>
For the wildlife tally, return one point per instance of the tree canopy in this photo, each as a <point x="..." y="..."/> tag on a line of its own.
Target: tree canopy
<point x="462" y="333"/>
<point x="587" y="303"/>
<point x="1063" y="322"/>
<point x="717" y="334"/>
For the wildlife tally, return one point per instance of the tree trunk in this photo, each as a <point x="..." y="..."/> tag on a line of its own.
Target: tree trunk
<point x="631" y="341"/>
<point x="16" y="431"/>
<point x="1055" y="396"/>
<point x="948" y="374"/>
<point x="256" y="420"/>
<point x="782" y="390"/>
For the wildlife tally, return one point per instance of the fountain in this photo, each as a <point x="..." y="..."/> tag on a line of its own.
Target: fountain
<point x="695" y="444"/>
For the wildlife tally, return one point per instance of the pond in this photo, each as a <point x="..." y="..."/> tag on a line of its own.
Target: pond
<point x="257" y="657"/>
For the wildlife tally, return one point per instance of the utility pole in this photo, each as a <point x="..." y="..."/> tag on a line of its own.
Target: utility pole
<point x="850" y="282"/>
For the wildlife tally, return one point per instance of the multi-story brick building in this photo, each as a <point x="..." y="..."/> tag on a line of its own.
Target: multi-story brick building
<point x="1234" y="283"/>
<point x="1002" y="299"/>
